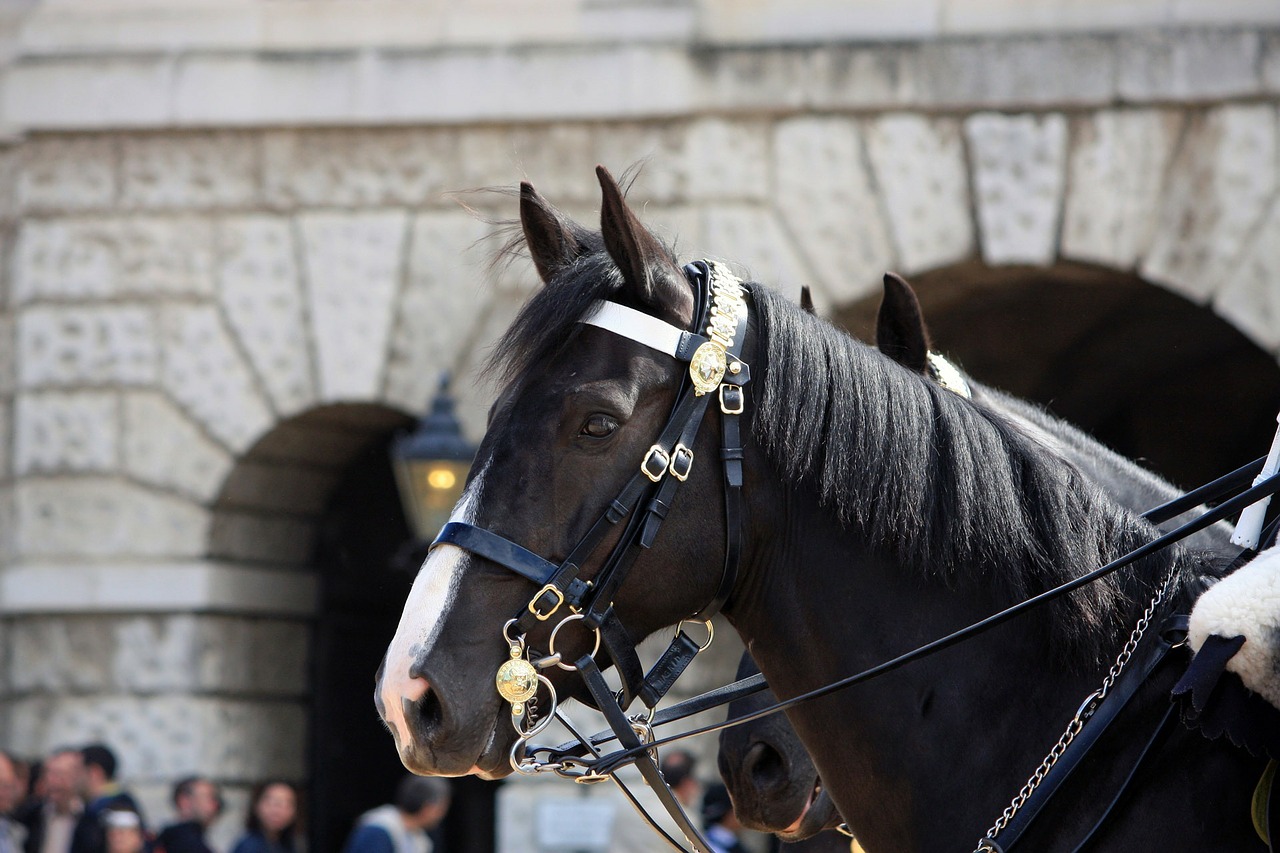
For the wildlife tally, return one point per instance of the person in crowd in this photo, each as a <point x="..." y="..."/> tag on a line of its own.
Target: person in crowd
<point x="52" y="814"/>
<point x="719" y="822"/>
<point x="401" y="827"/>
<point x="122" y="830"/>
<point x="271" y="825"/>
<point x="101" y="791"/>
<point x="197" y="802"/>
<point x="677" y="769"/>
<point x="12" y="833"/>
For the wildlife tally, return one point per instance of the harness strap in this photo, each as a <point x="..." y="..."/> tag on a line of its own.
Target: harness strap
<point x="1160" y="730"/>
<point x="644" y="762"/>
<point x="1103" y="716"/>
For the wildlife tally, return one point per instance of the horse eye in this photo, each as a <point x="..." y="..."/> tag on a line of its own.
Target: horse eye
<point x="599" y="426"/>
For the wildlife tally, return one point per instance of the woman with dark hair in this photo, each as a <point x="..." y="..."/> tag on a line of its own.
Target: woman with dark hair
<point x="271" y="825"/>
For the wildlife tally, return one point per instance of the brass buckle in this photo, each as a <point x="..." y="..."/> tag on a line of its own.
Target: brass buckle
<point x="655" y="455"/>
<point x="735" y="406"/>
<point x="681" y="462"/>
<point x="549" y="588"/>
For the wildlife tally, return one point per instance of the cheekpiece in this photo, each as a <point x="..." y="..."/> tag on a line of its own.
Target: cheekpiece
<point x="728" y="305"/>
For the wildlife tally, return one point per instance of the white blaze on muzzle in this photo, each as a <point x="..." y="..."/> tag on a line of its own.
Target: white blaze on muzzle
<point x="431" y="598"/>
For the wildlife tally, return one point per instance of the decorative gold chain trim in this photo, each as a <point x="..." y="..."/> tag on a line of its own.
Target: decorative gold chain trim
<point x="728" y="305"/>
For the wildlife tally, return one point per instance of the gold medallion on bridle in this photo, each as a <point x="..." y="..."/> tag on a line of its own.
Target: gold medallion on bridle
<point x="707" y="367"/>
<point x="517" y="681"/>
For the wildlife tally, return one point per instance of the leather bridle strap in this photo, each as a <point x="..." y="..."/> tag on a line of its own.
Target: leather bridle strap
<point x="1104" y="715"/>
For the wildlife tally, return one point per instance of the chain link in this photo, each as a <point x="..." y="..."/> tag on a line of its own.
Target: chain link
<point x="1082" y="716"/>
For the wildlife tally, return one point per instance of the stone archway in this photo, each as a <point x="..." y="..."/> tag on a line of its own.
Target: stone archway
<point x="1148" y="373"/>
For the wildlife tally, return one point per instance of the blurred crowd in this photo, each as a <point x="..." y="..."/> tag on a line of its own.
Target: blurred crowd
<point x="70" y="801"/>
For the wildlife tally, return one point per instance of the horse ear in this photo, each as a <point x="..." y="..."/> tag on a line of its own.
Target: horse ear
<point x="646" y="265"/>
<point x="806" y="300"/>
<point x="900" y="329"/>
<point x="548" y="233"/>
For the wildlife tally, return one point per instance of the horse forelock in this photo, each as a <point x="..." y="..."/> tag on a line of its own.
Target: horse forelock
<point x="949" y="488"/>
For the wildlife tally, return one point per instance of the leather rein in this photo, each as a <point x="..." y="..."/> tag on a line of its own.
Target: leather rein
<point x="642" y="505"/>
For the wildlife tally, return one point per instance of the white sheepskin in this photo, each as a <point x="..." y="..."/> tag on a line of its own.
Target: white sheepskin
<point x="1248" y="603"/>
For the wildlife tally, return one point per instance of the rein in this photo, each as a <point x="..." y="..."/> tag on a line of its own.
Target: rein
<point x="643" y="503"/>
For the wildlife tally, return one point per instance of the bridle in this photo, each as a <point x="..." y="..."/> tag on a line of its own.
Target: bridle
<point x="716" y="372"/>
<point x="642" y="505"/>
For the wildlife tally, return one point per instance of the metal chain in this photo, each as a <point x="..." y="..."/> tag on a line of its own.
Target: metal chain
<point x="1082" y="716"/>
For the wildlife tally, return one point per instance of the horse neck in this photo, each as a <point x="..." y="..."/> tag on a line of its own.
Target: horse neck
<point x="891" y="750"/>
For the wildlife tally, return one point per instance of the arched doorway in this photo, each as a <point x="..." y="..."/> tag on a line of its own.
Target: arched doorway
<point x="1151" y="375"/>
<point x="317" y="494"/>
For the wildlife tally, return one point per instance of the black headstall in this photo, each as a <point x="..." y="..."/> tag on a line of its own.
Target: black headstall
<point x="716" y="372"/>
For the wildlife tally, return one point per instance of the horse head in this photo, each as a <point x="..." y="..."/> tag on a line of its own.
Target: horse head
<point x="577" y="415"/>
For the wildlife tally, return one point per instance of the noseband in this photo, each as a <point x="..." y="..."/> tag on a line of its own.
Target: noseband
<point x="716" y="371"/>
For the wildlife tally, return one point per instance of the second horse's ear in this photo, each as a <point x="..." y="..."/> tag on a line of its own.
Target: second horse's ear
<point x="900" y="330"/>
<point x="647" y="267"/>
<point x="806" y="300"/>
<point x="550" y="235"/>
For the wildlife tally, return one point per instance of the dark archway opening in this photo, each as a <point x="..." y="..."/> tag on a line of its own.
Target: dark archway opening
<point x="366" y="563"/>
<point x="1147" y="373"/>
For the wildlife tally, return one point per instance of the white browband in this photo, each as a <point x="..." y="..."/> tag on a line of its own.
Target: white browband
<point x="636" y="325"/>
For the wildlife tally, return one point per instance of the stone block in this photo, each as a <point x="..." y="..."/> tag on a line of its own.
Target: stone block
<point x="207" y="375"/>
<point x="259" y="657"/>
<point x="353" y="264"/>
<point x="1221" y="182"/>
<point x="1114" y="181"/>
<point x="656" y="148"/>
<point x="727" y="160"/>
<point x="257" y="538"/>
<point x="828" y="201"/>
<point x="71" y="345"/>
<point x="442" y="302"/>
<point x="920" y="168"/>
<point x="473" y="390"/>
<point x="189" y="171"/>
<point x="163" y="737"/>
<point x="557" y="158"/>
<point x="8" y="355"/>
<point x="1189" y="65"/>
<point x="94" y="517"/>
<point x="261" y="294"/>
<point x="1018" y="71"/>
<point x="68" y="174"/>
<point x="6" y="431"/>
<point x="8" y="524"/>
<point x="80" y="259"/>
<point x="756" y="244"/>
<point x="1250" y="296"/>
<point x="1018" y="166"/>
<point x="1271" y="63"/>
<point x="359" y="167"/>
<point x="71" y="432"/>
<point x="61" y="655"/>
<point x="161" y="446"/>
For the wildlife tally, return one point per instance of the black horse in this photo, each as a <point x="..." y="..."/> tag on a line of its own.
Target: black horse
<point x="770" y="776"/>
<point x="881" y="511"/>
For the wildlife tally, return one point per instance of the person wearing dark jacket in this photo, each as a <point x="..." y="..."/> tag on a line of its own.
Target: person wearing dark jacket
<point x="197" y="802"/>
<point x="101" y="792"/>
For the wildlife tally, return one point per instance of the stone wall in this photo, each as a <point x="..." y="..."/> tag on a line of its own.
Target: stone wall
<point x="214" y="251"/>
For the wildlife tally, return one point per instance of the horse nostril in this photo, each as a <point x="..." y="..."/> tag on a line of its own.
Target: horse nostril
<point x="764" y="765"/>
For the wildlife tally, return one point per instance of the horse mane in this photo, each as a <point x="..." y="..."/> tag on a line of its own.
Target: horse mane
<point x="950" y="489"/>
